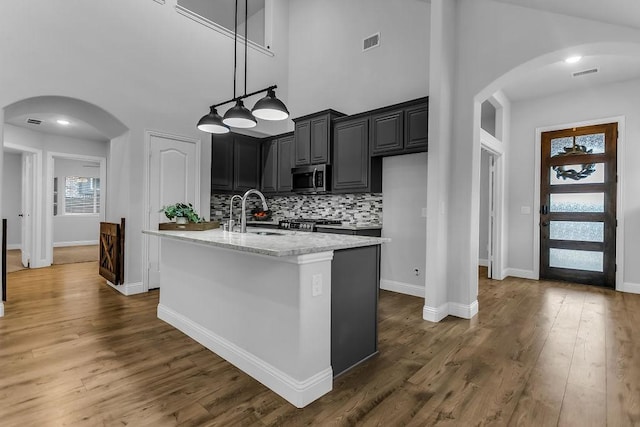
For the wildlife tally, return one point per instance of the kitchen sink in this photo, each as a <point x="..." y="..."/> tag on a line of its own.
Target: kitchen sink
<point x="266" y="233"/>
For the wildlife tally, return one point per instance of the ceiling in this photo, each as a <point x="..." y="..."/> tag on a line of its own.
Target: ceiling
<point x="557" y="77"/>
<point x="75" y="129"/>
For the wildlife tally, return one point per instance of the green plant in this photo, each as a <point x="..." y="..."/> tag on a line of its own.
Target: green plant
<point x="181" y="210"/>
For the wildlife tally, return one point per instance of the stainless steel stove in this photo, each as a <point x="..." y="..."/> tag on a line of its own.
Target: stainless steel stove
<point x="306" y="224"/>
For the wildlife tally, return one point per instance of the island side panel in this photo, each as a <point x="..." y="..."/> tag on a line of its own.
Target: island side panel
<point x="256" y="311"/>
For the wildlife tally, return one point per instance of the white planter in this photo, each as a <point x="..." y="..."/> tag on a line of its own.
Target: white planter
<point x="181" y="220"/>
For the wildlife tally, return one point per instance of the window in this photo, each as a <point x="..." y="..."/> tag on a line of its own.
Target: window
<point x="221" y="14"/>
<point x="81" y="195"/>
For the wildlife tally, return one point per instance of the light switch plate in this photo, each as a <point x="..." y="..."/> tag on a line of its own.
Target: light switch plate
<point x="525" y="210"/>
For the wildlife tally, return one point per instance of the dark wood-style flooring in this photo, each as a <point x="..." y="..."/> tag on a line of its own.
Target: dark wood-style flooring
<point x="75" y="352"/>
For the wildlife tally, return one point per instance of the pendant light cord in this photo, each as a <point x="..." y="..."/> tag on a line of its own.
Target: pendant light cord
<point x="246" y="28"/>
<point x="235" y="50"/>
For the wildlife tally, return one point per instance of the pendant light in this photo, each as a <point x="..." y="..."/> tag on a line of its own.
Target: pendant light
<point x="212" y="123"/>
<point x="270" y="108"/>
<point x="239" y="116"/>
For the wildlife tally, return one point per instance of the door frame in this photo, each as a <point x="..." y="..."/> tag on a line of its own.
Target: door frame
<point x="51" y="156"/>
<point x="146" y="225"/>
<point x="37" y="257"/>
<point x="620" y="120"/>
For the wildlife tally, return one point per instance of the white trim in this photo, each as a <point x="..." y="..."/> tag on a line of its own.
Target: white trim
<point x="483" y="262"/>
<point x="159" y="1"/>
<point x="14" y="246"/>
<point x="620" y="120"/>
<point x="299" y="393"/>
<point x="520" y="273"/>
<point x="76" y="243"/>
<point x="632" y="288"/>
<point x="435" y="314"/>
<point x="465" y="311"/>
<point x="37" y="258"/>
<point x="1" y="309"/>
<point x="402" y="288"/>
<point x="224" y="31"/>
<point x="146" y="225"/>
<point x="51" y="156"/>
<point x="128" y="289"/>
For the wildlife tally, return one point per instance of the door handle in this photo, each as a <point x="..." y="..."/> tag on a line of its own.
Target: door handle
<point x="544" y="223"/>
<point x="544" y="210"/>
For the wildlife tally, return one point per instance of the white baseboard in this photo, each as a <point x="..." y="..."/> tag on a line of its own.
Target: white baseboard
<point x="13" y="246"/>
<point x="483" y="262"/>
<point x="402" y="288"/>
<point x="466" y="311"/>
<point x="632" y="288"/>
<point x="1" y="309"/>
<point x="299" y="393"/>
<point x="128" y="288"/>
<point x="435" y="314"/>
<point x="76" y="243"/>
<point x="523" y="274"/>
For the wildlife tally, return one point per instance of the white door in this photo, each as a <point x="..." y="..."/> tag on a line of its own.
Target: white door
<point x="173" y="177"/>
<point x="27" y="208"/>
<point x="492" y="210"/>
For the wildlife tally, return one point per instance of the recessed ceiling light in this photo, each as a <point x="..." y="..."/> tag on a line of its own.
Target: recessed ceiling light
<point x="573" y="59"/>
<point x="63" y="122"/>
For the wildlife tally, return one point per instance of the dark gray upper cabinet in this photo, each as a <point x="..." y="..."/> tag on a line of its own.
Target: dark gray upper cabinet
<point x="400" y="129"/>
<point x="313" y="138"/>
<point x="222" y="163"/>
<point x="353" y="169"/>
<point x="277" y="161"/>
<point x="235" y="163"/>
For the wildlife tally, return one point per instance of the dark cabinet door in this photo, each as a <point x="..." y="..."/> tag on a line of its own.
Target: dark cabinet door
<point x="246" y="154"/>
<point x="302" y="136"/>
<point x="285" y="163"/>
<point x="270" y="166"/>
<point x="416" y="127"/>
<point x="351" y="155"/>
<point x="222" y="163"/>
<point x="319" y="148"/>
<point x="387" y="132"/>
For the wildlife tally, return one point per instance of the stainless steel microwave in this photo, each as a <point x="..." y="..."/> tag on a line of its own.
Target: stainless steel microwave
<point x="312" y="179"/>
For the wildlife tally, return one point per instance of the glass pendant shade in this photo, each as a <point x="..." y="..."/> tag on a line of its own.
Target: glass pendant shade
<point x="270" y="108"/>
<point x="239" y="116"/>
<point x="212" y="123"/>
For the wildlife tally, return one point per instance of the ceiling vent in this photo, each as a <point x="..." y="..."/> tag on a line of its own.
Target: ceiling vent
<point x="371" y="42"/>
<point x="34" y="121"/>
<point x="585" y="72"/>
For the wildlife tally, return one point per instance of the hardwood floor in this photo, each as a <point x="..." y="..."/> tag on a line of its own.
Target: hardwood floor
<point x="75" y="352"/>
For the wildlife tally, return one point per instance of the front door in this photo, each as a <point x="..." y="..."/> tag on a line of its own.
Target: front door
<point x="578" y="205"/>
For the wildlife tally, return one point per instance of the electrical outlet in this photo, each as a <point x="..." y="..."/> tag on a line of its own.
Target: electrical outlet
<point x="217" y="213"/>
<point x="316" y="285"/>
<point x="417" y="271"/>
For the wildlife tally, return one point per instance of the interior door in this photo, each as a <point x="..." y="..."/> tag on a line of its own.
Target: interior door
<point x="578" y="205"/>
<point x="172" y="179"/>
<point x="27" y="208"/>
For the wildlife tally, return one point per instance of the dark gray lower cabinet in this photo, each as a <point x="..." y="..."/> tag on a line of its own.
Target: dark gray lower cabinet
<point x="355" y="278"/>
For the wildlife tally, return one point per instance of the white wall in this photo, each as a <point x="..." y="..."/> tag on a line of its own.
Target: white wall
<point x="483" y="253"/>
<point x="327" y="68"/>
<point x="12" y="198"/>
<point x="403" y="199"/>
<point x="72" y="230"/>
<point x="145" y="64"/>
<point x="566" y="108"/>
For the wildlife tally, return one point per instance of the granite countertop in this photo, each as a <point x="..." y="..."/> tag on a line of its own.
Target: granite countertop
<point x="286" y="243"/>
<point x="353" y="226"/>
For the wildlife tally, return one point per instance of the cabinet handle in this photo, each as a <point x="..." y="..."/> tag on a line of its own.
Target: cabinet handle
<point x="315" y="170"/>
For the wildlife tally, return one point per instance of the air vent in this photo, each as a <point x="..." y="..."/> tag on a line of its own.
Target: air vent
<point x="585" y="72"/>
<point x="371" y="42"/>
<point x="34" y="121"/>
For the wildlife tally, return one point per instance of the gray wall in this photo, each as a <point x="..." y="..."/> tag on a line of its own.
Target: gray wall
<point x="12" y="198"/>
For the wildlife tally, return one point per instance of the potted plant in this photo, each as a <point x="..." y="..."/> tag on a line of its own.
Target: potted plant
<point x="182" y="212"/>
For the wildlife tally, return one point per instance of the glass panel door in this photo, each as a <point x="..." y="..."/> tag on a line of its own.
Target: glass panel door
<point x="577" y="205"/>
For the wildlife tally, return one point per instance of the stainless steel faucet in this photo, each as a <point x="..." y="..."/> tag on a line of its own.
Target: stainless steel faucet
<point x="243" y="220"/>
<point x="231" y="221"/>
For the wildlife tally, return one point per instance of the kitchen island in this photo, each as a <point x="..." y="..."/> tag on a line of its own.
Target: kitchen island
<point x="290" y="309"/>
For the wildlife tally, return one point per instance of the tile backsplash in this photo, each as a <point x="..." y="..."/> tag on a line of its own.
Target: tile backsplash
<point x="361" y="208"/>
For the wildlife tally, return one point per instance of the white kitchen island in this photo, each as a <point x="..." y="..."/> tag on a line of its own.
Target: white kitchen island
<point x="262" y="302"/>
